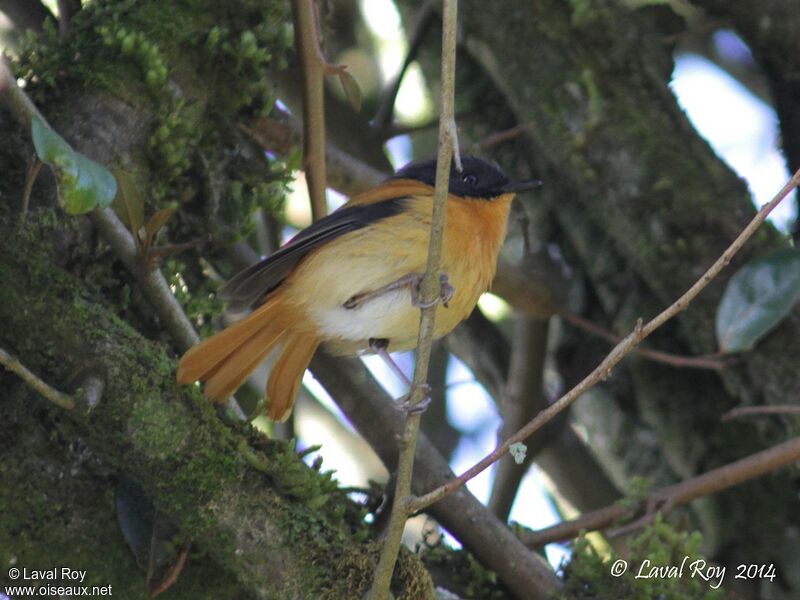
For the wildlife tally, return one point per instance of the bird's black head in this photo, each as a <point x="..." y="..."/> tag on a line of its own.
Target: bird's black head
<point x="477" y="179"/>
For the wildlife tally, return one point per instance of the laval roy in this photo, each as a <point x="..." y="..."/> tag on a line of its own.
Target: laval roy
<point x="54" y="574"/>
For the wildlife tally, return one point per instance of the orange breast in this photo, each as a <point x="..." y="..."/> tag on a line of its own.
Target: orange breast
<point x="474" y="232"/>
<point x="387" y="250"/>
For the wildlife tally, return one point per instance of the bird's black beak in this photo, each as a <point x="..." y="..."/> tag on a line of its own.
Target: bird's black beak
<point x="513" y="187"/>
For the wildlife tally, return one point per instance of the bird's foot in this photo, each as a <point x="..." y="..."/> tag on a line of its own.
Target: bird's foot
<point x="413" y="282"/>
<point x="416" y="408"/>
<point x="446" y="292"/>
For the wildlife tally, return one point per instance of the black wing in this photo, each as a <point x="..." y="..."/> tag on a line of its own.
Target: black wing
<point x="250" y="286"/>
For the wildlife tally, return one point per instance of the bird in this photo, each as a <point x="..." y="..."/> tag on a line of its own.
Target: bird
<point x="349" y="282"/>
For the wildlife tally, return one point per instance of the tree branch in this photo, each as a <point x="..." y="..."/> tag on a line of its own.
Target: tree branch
<point x="743" y="411"/>
<point x="667" y="498"/>
<point x="376" y="417"/>
<point x="383" y="116"/>
<point x="152" y="282"/>
<point x="523" y="398"/>
<point x="26" y="14"/>
<point x="60" y="399"/>
<point x="168" y="438"/>
<point x="307" y="47"/>
<point x="15" y="99"/>
<point x="66" y="10"/>
<point x="711" y="362"/>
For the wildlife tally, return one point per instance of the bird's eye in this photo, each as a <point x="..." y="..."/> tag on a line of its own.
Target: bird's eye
<point x="470" y="179"/>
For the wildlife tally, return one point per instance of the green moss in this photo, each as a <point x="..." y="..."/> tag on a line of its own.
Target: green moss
<point x="586" y="13"/>
<point x="590" y="575"/>
<point x="173" y="65"/>
<point x="463" y="573"/>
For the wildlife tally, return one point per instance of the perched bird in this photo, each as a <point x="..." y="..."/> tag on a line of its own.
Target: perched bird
<point x="349" y="282"/>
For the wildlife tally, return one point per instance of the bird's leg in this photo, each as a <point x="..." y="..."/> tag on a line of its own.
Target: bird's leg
<point x="412" y="281"/>
<point x="378" y="346"/>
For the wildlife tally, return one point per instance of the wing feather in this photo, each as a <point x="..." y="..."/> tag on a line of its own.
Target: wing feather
<point x="251" y="285"/>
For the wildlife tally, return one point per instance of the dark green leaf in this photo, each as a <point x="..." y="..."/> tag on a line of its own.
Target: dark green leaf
<point x="758" y="296"/>
<point x="351" y="89"/>
<point x="148" y="532"/>
<point x="83" y="184"/>
<point x="135" y="515"/>
<point x="157" y="221"/>
<point x="128" y="203"/>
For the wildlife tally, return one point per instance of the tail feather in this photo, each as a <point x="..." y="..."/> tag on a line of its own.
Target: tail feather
<point x="202" y="360"/>
<point x="287" y="373"/>
<point x="231" y="373"/>
<point x="225" y="360"/>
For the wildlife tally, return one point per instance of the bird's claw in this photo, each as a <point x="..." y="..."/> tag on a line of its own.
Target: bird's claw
<point x="446" y="292"/>
<point x="416" y="408"/>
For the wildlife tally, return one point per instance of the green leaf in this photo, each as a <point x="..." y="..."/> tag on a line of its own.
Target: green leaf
<point x="158" y="220"/>
<point x="128" y="203"/>
<point x="351" y="89"/>
<point x="757" y="298"/>
<point x="83" y="184"/>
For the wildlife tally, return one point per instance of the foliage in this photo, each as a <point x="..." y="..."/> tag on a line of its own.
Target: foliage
<point x="460" y="572"/>
<point x="589" y="574"/>
<point x="83" y="184"/>
<point x="760" y="295"/>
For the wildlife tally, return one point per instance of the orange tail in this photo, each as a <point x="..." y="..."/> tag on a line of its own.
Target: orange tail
<point x="287" y="374"/>
<point x="225" y="360"/>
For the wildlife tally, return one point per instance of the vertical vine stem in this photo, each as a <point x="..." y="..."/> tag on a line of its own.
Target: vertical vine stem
<point x="430" y="289"/>
<point x="313" y="67"/>
<point x="604" y="369"/>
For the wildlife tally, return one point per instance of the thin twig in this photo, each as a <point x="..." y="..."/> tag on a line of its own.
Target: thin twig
<point x="154" y="286"/>
<point x="430" y="289"/>
<point x="711" y="362"/>
<point x="375" y="416"/>
<point x="744" y="411"/>
<point x="312" y="66"/>
<point x="614" y="357"/>
<point x="502" y="136"/>
<point x="60" y="399"/>
<point x="671" y="496"/>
